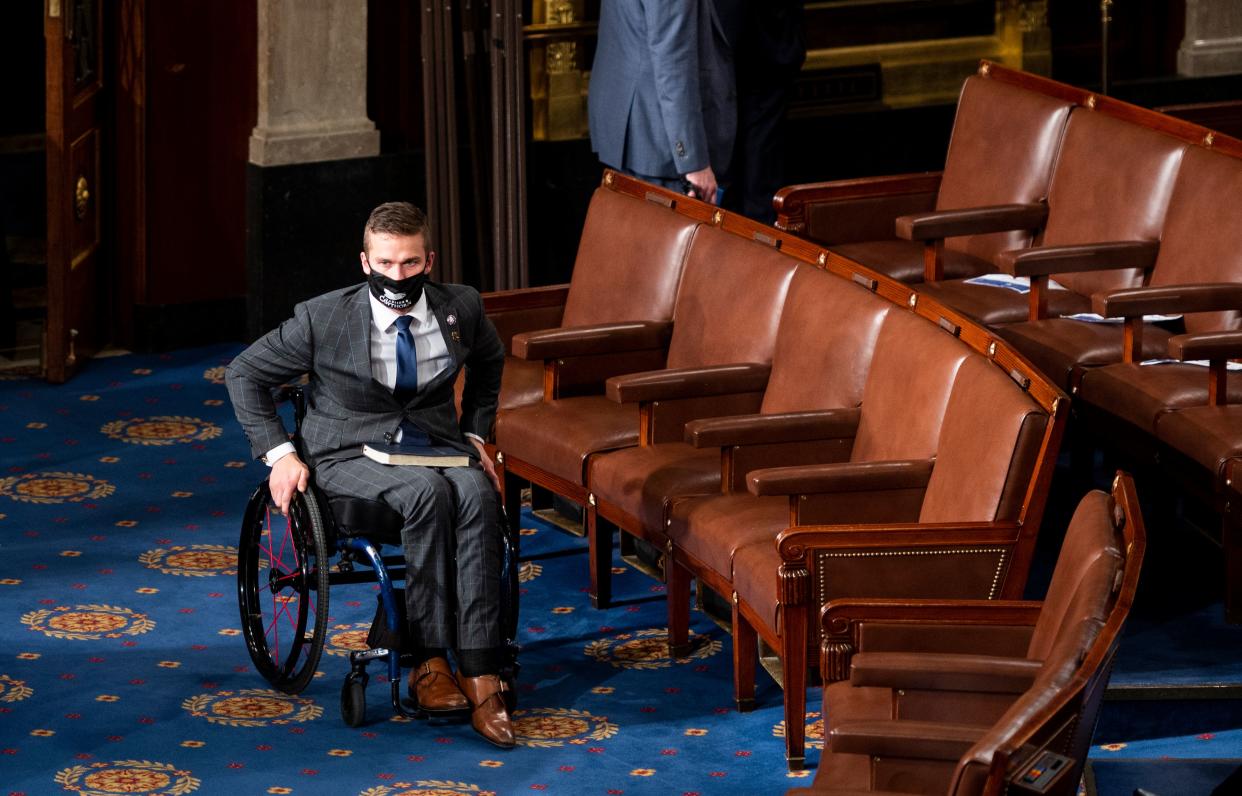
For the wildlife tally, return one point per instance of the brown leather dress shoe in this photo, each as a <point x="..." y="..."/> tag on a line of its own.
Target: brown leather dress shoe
<point x="490" y="718"/>
<point x="432" y="686"/>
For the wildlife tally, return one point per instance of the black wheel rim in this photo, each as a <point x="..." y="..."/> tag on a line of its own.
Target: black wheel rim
<point x="282" y="589"/>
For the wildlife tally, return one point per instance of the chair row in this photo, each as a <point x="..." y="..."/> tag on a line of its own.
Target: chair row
<point x="969" y="698"/>
<point x="783" y="428"/>
<point x="1115" y="225"/>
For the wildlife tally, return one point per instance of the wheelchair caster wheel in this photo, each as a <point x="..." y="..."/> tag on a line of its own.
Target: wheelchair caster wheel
<point x="354" y="702"/>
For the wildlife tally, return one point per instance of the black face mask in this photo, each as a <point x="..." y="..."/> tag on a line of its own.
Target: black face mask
<point x="396" y="294"/>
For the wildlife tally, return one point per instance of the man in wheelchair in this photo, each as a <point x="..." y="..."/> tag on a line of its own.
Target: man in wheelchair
<point x="382" y="359"/>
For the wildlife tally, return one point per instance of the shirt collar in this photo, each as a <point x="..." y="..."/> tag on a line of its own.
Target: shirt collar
<point x="383" y="317"/>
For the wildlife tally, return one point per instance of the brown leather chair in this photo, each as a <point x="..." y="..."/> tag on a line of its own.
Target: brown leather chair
<point x="999" y="121"/>
<point x="922" y="661"/>
<point x="628" y="266"/>
<point x="727" y="310"/>
<point x="1106" y="207"/>
<point x="827" y="334"/>
<point x="1200" y="246"/>
<point x="804" y="530"/>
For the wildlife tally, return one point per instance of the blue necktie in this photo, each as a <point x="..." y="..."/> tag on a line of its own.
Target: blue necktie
<point x="407" y="381"/>
<point x="407" y="361"/>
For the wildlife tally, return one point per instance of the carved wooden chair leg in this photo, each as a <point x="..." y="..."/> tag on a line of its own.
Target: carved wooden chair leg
<point x="1231" y="539"/>
<point x="793" y="665"/>
<point x="599" y="543"/>
<point x="678" y="595"/>
<point x="511" y="492"/>
<point x="745" y="654"/>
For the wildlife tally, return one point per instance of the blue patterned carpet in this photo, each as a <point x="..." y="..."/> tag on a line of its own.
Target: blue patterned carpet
<point x="122" y="667"/>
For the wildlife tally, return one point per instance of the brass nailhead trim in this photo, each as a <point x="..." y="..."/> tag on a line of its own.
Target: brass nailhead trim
<point x="1000" y="552"/>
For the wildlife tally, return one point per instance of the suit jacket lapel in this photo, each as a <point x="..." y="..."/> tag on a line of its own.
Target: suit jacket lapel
<point x="452" y="340"/>
<point x="359" y="320"/>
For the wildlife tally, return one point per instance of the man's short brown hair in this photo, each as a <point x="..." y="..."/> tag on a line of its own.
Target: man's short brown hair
<point x="397" y="218"/>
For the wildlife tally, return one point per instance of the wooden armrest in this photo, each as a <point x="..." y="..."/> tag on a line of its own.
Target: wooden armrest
<point x="525" y="298"/>
<point x="901" y="738"/>
<point x="775" y="428"/>
<point x="794" y="543"/>
<point x="1135" y="302"/>
<point x="1046" y="260"/>
<point x="971" y="221"/>
<point x="790" y="196"/>
<point x="1206" y="345"/>
<point x="605" y="338"/>
<point x="939" y="671"/>
<point x="841" y="477"/>
<point x="866" y="206"/>
<point x="663" y="385"/>
<point x="843" y="612"/>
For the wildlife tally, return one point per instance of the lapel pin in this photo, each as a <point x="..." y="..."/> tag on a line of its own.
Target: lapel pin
<point x="456" y="337"/>
<point x="452" y="319"/>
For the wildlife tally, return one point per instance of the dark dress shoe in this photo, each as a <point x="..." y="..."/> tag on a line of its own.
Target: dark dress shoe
<point x="489" y="718"/>
<point x="432" y="686"/>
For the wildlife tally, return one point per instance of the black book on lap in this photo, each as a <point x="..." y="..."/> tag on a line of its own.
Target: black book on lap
<point x="415" y="455"/>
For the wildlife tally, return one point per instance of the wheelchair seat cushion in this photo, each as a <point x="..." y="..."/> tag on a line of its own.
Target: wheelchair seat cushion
<point x="373" y="519"/>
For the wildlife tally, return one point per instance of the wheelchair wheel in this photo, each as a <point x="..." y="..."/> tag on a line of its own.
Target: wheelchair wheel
<point x="354" y="701"/>
<point x="282" y="587"/>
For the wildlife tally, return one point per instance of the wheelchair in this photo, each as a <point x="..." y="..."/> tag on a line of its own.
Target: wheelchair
<point x="285" y="572"/>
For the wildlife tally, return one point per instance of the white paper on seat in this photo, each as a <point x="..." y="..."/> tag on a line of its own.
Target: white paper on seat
<point x="1018" y="284"/>
<point x="1203" y="363"/>
<point x="1091" y="317"/>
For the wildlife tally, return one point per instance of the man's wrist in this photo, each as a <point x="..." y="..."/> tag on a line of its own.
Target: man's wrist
<point x="279" y="452"/>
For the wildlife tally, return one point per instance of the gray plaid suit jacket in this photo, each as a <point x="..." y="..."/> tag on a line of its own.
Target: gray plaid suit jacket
<point x="329" y="337"/>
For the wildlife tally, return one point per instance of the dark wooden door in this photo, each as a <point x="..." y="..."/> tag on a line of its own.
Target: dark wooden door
<point x="78" y="298"/>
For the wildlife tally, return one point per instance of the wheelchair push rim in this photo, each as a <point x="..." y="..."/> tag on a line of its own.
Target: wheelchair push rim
<point x="282" y="582"/>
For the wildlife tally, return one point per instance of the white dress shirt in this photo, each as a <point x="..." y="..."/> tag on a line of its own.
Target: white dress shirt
<point x="429" y="347"/>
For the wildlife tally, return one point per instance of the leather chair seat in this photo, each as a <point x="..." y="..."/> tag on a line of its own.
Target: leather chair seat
<point x="584" y="426"/>
<point x="755" y="568"/>
<point x="1210" y="435"/>
<point x="1058" y="346"/>
<point x="996" y="305"/>
<point x="1140" y="394"/>
<point x="903" y="259"/>
<point x="713" y="529"/>
<point x="637" y="480"/>
<point x="521" y="384"/>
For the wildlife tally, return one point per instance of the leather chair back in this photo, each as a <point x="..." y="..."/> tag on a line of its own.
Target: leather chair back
<point x="1091" y="537"/>
<point x="1202" y="239"/>
<point x="988" y="445"/>
<point x="907" y="389"/>
<point x="824" y="345"/>
<point x="1005" y="139"/>
<point x="629" y="261"/>
<point x="729" y="303"/>
<point x="1112" y="182"/>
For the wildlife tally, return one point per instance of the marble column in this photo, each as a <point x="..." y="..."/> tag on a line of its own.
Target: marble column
<point x="312" y="72"/>
<point x="1213" y="41"/>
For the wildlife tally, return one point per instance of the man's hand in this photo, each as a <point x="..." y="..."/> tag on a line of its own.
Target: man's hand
<point x="703" y="182"/>
<point x="488" y="467"/>
<point x="288" y="474"/>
